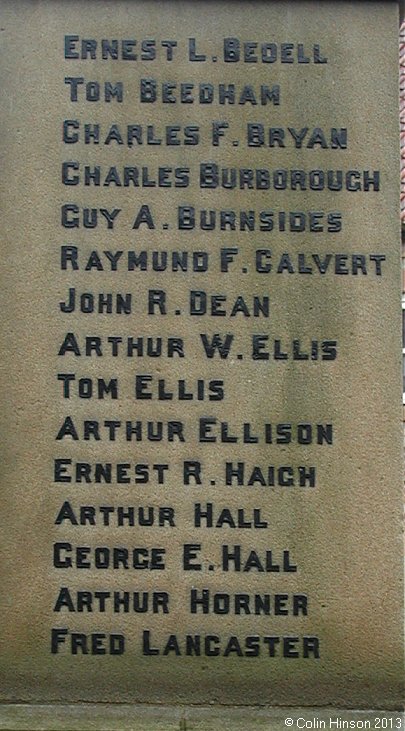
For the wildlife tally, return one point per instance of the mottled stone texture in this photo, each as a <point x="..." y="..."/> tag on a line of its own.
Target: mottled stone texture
<point x="344" y="532"/>
<point x="126" y="717"/>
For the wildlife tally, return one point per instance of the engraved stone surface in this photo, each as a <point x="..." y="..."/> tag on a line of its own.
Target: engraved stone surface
<point x="201" y="422"/>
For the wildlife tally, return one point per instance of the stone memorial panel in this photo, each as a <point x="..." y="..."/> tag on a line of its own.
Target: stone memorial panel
<point x="201" y="396"/>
